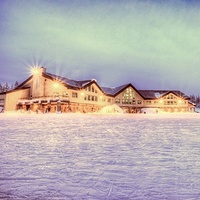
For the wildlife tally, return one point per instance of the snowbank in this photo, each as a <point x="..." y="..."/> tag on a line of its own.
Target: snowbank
<point x="151" y="110"/>
<point x="1" y="109"/>
<point x="197" y="110"/>
<point x="111" y="109"/>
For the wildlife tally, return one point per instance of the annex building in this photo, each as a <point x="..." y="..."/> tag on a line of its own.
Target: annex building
<point x="47" y="92"/>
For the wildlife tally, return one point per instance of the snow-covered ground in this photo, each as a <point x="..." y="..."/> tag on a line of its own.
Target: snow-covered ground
<point x="93" y="156"/>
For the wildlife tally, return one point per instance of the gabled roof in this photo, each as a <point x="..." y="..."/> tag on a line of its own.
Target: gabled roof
<point x="114" y="91"/>
<point x="192" y="103"/>
<point x="14" y="90"/>
<point x="73" y="83"/>
<point x="22" y="84"/>
<point x="67" y="81"/>
<point x="110" y="91"/>
<point x="155" y="94"/>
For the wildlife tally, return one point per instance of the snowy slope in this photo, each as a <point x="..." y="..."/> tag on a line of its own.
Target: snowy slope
<point x="82" y="156"/>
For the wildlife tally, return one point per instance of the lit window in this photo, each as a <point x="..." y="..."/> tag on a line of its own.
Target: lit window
<point x="117" y="100"/>
<point x="65" y="94"/>
<point x="92" y="89"/>
<point x="148" y="102"/>
<point x="74" y="94"/>
<point x="55" y="94"/>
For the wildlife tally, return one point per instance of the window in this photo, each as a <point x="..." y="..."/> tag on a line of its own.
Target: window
<point x="90" y="98"/>
<point x="139" y="102"/>
<point x="170" y="96"/>
<point x="128" y="96"/>
<point x="65" y="94"/>
<point x="126" y="101"/>
<point x="170" y="103"/>
<point x="55" y="94"/>
<point x="117" y="100"/>
<point x="74" y="94"/>
<point x="148" y="102"/>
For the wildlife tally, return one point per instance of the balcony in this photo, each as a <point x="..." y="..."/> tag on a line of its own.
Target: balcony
<point x="43" y="99"/>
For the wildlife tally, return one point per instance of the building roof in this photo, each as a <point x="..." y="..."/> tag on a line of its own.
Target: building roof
<point x="70" y="82"/>
<point x="146" y="94"/>
<point x="114" y="90"/>
<point x="155" y="94"/>
<point x="110" y="91"/>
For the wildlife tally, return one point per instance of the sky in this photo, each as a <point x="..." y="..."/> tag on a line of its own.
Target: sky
<point x="153" y="44"/>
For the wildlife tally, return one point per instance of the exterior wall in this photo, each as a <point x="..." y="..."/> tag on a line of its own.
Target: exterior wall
<point x="49" y="95"/>
<point x="56" y="97"/>
<point x="129" y="100"/>
<point x="12" y="98"/>
<point x="54" y="89"/>
<point x="168" y="103"/>
<point x="2" y="100"/>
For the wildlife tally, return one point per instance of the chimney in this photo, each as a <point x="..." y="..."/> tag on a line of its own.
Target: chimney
<point x="43" y="69"/>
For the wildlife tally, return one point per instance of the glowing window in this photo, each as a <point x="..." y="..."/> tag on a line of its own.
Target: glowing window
<point x="74" y="94"/>
<point x="65" y="94"/>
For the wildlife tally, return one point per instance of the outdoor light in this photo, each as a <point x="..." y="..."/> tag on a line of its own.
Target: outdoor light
<point x="35" y="70"/>
<point x="55" y="85"/>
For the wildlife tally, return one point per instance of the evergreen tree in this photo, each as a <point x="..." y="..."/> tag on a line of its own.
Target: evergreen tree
<point x="6" y="87"/>
<point x="192" y="98"/>
<point x="16" y="84"/>
<point x="1" y="88"/>
<point x="11" y="87"/>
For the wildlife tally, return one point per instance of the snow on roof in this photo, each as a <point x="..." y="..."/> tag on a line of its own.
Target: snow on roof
<point x="157" y="95"/>
<point x="68" y="81"/>
<point x="152" y="94"/>
<point x="148" y="94"/>
<point x="113" y="90"/>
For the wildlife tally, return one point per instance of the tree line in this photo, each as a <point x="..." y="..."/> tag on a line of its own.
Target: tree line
<point x="195" y="99"/>
<point x="7" y="87"/>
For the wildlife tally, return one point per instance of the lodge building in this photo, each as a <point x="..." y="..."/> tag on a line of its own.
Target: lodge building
<point x="48" y="92"/>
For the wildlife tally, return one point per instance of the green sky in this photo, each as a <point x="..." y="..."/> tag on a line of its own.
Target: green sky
<point x="152" y="44"/>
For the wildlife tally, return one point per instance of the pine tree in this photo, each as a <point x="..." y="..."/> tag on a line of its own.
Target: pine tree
<point x="16" y="84"/>
<point x="198" y="100"/>
<point x="11" y="87"/>
<point x="6" y="87"/>
<point x="1" y="88"/>
<point x="192" y="98"/>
